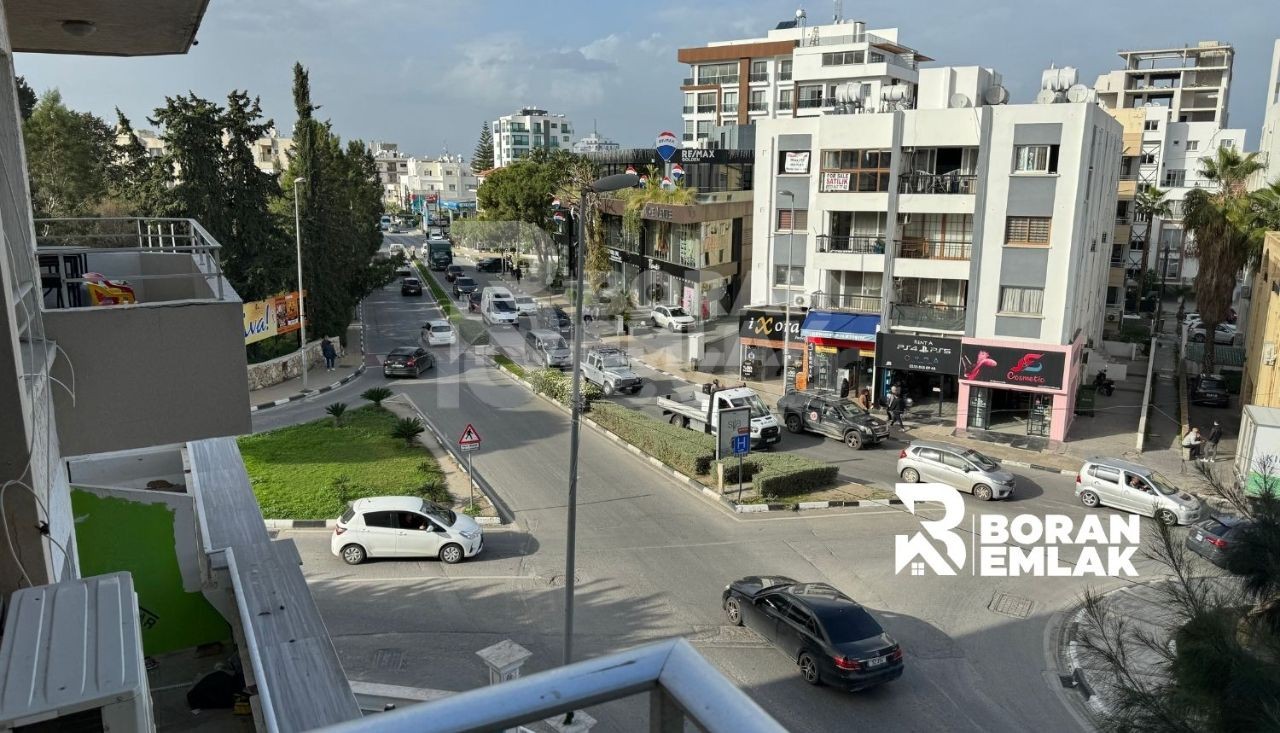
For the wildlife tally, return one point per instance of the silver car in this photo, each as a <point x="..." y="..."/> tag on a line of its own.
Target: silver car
<point x="954" y="465"/>
<point x="1135" y="488"/>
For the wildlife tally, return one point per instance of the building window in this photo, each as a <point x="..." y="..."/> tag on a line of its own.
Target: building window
<point x="688" y="129"/>
<point x="1228" y="144"/>
<point x="784" y="98"/>
<point x="707" y="102"/>
<point x="793" y="161"/>
<point x="717" y="73"/>
<point x="1175" y="178"/>
<point x="566" y="138"/>
<point x="1193" y="145"/>
<point x="1027" y="230"/>
<point x="1035" y="158"/>
<point x="704" y="128"/>
<point x="785" y="275"/>
<point x="1150" y="125"/>
<point x="758" y="102"/>
<point x="553" y="125"/>
<point x="1148" y="158"/>
<point x="729" y="102"/>
<point x="1023" y="301"/>
<point x="868" y="170"/>
<point x="784" y="70"/>
<point x="842" y="58"/>
<point x="759" y="71"/>
<point x="784" y="220"/>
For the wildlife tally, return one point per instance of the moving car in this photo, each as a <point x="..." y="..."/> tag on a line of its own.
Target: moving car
<point x="438" y="333"/>
<point x="1209" y="538"/>
<point x="463" y="286"/>
<point x="407" y="361"/>
<point x="547" y="348"/>
<point x="670" y="317"/>
<point x="830" y="637"/>
<point x="963" y="468"/>
<point x="1210" y="389"/>
<point x="1135" y="488"/>
<point x="825" y="412"/>
<point x="404" y="526"/>
<point x="488" y="264"/>
<point x="554" y="319"/>
<point x="497" y="307"/>
<point x="1224" y="333"/>
<point x="473" y="300"/>
<point x="410" y="286"/>
<point x="525" y="305"/>
<point x="404" y="271"/>
<point x="452" y="272"/>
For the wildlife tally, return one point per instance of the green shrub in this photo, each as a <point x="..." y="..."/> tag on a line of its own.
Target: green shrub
<point x="376" y="395"/>
<point x="506" y="363"/>
<point x="559" y="386"/>
<point x="785" y="474"/>
<point x="337" y="410"/>
<point x="687" y="451"/>
<point x="470" y="332"/>
<point x="408" y="429"/>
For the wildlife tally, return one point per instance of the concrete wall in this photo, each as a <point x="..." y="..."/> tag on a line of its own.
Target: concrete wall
<point x="148" y="375"/>
<point x="132" y="469"/>
<point x="283" y="368"/>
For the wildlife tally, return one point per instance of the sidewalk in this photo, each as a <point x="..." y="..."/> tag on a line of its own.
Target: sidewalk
<point x="349" y="366"/>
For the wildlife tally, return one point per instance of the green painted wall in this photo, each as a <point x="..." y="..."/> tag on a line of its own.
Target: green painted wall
<point x="114" y="534"/>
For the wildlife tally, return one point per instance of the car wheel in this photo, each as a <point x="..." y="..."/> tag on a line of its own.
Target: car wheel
<point x="733" y="611"/>
<point x="680" y="420"/>
<point x="451" y="554"/>
<point x="910" y="475"/>
<point x="653" y="322"/>
<point x="794" y="424"/>
<point x="809" y="670"/>
<point x="1167" y="518"/>
<point x="353" y="554"/>
<point x="853" y="439"/>
<point x="1089" y="499"/>
<point x="982" y="492"/>
<point x="607" y="389"/>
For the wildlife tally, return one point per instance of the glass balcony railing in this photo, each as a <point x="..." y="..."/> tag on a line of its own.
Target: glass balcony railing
<point x="689" y="81"/>
<point x="757" y="106"/>
<point x="706" y="109"/>
<point x="730" y="108"/>
<point x="924" y="249"/>
<point x="688" y="109"/>
<point x="872" y="244"/>
<point x="945" y="183"/>
<point x="759" y="76"/>
<point x="810" y="103"/>
<point x="938" y="317"/>
<point x="846" y="302"/>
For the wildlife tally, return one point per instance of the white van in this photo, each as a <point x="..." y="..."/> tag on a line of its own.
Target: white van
<point x="498" y="306"/>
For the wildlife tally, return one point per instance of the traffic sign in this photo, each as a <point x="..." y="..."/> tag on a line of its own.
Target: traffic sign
<point x="742" y="444"/>
<point x="470" y="439"/>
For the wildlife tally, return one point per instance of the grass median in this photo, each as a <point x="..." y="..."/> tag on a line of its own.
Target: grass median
<point x="311" y="471"/>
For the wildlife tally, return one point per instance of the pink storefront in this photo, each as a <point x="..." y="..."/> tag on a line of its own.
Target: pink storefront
<point x="1018" y="388"/>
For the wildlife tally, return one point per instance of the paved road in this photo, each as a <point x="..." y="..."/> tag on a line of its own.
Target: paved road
<point x="653" y="559"/>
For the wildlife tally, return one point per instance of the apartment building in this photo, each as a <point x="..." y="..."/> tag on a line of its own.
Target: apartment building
<point x="1269" y="142"/>
<point x="1192" y="81"/>
<point x="444" y="182"/>
<point x="932" y="236"/>
<point x="518" y="134"/>
<point x="595" y="143"/>
<point x="270" y="153"/>
<point x="1260" y="383"/>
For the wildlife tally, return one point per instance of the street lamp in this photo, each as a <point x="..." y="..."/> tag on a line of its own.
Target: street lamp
<point x="302" y="309"/>
<point x="603" y="185"/>
<point x="786" y="326"/>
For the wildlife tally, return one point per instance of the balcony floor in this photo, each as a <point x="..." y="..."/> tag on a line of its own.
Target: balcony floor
<point x="175" y="673"/>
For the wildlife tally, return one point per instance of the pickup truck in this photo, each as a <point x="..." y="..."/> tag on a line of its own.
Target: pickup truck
<point x="700" y="411"/>
<point x="610" y="369"/>
<point x="826" y="413"/>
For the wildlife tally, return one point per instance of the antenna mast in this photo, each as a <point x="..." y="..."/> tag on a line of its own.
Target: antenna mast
<point x="839" y="10"/>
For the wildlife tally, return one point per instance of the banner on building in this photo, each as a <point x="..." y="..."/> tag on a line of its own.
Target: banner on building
<point x="918" y="353"/>
<point x="835" y="181"/>
<point x="1023" y="367"/>
<point x="796" y="162"/>
<point x="274" y="316"/>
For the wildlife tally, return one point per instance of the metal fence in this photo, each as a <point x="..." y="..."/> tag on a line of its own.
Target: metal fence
<point x="846" y="301"/>
<point x="928" y="315"/>
<point x="869" y="244"/>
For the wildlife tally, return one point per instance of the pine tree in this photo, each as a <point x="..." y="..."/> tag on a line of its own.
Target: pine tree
<point x="256" y="256"/>
<point x="482" y="158"/>
<point x="192" y="133"/>
<point x="27" y="98"/>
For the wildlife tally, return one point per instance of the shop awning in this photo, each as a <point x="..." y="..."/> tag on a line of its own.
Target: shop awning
<point x="844" y="326"/>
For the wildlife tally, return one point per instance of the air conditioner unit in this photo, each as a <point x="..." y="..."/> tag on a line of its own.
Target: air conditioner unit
<point x="800" y="301"/>
<point x="72" y="656"/>
<point x="1113" y="317"/>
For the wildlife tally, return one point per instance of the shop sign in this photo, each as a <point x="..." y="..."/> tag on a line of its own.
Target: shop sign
<point x="653" y="264"/>
<point x="796" y="162"/>
<point x="1022" y="367"/>
<point x="658" y="213"/>
<point x="615" y="256"/>
<point x="835" y="181"/>
<point x="918" y="353"/>
<point x="698" y="155"/>
<point x="757" y="324"/>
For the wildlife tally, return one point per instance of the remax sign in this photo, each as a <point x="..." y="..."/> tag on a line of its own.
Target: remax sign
<point x="667" y="145"/>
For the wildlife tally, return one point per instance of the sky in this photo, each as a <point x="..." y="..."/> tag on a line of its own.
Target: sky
<point x="426" y="73"/>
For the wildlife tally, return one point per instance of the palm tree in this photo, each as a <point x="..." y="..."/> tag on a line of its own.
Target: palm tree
<point x="1266" y="205"/>
<point x="408" y="429"/>
<point x="1226" y="235"/>
<point x="337" y="410"/>
<point x="376" y="395"/>
<point x="1148" y="203"/>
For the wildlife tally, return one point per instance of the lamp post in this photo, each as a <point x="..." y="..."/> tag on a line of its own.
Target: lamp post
<point x="302" y="309"/>
<point x="786" y="326"/>
<point x="603" y="185"/>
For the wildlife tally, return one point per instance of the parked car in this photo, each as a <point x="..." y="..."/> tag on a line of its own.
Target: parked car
<point x="964" y="468"/>
<point x="1134" y="488"/>
<point x="463" y="286"/>
<point x="411" y="286"/>
<point x="548" y="349"/>
<point x="610" y="370"/>
<point x="1210" y="389"/>
<point x="1224" y="333"/>
<point x="488" y="264"/>
<point x="395" y="248"/>
<point x="830" y="637"/>
<point x="670" y="317"/>
<point x="554" y="319"/>
<point x="525" y="305"/>
<point x="825" y="412"/>
<point x="407" y="361"/>
<point x="452" y="272"/>
<point x="1210" y="537"/>
<point x="404" y="526"/>
<point x="438" y="333"/>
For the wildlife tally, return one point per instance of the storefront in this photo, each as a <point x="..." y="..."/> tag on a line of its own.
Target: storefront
<point x="925" y="367"/>
<point x="1017" y="388"/>
<point x="840" y="350"/>
<point x="762" y="337"/>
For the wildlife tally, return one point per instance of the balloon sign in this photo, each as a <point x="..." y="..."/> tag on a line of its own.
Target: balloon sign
<point x="667" y="183"/>
<point x="631" y="170"/>
<point x="677" y="172"/>
<point x="667" y="145"/>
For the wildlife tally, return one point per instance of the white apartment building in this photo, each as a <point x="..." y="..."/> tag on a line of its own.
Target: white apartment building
<point x="1269" y="142"/>
<point x="594" y="143"/>
<point x="270" y="153"/>
<point x="516" y="135"/>
<point x="1192" y="81"/>
<point x="932" y="236"/>
<point x="439" y="180"/>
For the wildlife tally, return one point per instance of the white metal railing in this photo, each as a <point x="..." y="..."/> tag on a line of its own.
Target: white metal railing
<point x="681" y="685"/>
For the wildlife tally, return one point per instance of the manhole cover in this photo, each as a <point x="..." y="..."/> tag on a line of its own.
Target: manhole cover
<point x="559" y="579"/>
<point x="1010" y="605"/>
<point x="388" y="659"/>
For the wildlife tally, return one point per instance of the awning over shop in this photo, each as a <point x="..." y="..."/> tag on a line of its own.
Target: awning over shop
<point x="843" y="326"/>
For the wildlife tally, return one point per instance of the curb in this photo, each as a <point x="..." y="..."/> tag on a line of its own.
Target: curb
<point x="301" y="395"/>
<point x="1046" y="469"/>
<point x="330" y="523"/>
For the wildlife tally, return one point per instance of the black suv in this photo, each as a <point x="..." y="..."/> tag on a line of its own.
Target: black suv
<point x="554" y="319"/>
<point x="463" y="286"/>
<point x="1211" y="389"/>
<point x="452" y="272"/>
<point x="411" y="286"/>
<point x="825" y="412"/>
<point x="489" y="264"/>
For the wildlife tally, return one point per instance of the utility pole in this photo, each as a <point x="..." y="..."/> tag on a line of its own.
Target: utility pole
<point x="786" y="326"/>
<point x="1164" y="269"/>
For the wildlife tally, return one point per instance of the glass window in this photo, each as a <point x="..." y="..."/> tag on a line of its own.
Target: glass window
<point x="1027" y="230"/>
<point x="1151" y="125"/>
<point x="759" y="67"/>
<point x="868" y="170"/>
<point x="704" y="128"/>
<point x="1175" y="177"/>
<point x="784" y="97"/>
<point x="1103" y="473"/>
<point x="380" y="519"/>
<point x="1193" y="145"/>
<point x="1035" y="158"/>
<point x="784" y="70"/>
<point x="1023" y="301"/>
<point x="786" y="224"/>
<point x="954" y="461"/>
<point x="780" y="273"/>
<point x="842" y="58"/>
<point x="849" y="625"/>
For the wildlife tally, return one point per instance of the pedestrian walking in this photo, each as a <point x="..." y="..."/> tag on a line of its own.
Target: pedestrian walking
<point x="1215" y="435"/>
<point x="330" y="354"/>
<point x="895" y="407"/>
<point x="518" y="273"/>
<point x="864" y="399"/>
<point x="1193" y="443"/>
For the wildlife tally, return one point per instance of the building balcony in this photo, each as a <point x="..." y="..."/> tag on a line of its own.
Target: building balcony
<point x="706" y="109"/>
<point x="758" y="76"/>
<point x="810" y="103"/>
<point x="688" y="81"/>
<point x="857" y="303"/>
<point x="873" y="244"/>
<point x="924" y="249"/>
<point x="688" y="109"/>
<point x="687" y="137"/>
<point x="939" y="183"/>
<point x="784" y="76"/>
<point x="141" y="311"/>
<point x="757" y="106"/>
<point x="934" y="317"/>
<point x="729" y="108"/>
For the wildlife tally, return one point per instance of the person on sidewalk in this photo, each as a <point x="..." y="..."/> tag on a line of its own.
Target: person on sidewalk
<point x="330" y="354"/>
<point x="1193" y="443"/>
<point x="895" y="407"/>
<point x="519" y="274"/>
<point x="864" y="399"/>
<point x="1215" y="435"/>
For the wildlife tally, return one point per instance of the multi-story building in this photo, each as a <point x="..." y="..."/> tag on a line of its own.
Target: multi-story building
<point x="928" y="234"/>
<point x="516" y="135"/>
<point x="594" y="143"/>
<point x="439" y="184"/>
<point x="1193" y="82"/>
<point x="1269" y="142"/>
<point x="1260" y="383"/>
<point x="270" y="153"/>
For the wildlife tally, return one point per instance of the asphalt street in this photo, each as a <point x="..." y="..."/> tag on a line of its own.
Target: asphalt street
<point x="653" y="559"/>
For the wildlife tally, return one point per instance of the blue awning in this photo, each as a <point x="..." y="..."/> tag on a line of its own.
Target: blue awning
<point x="845" y="326"/>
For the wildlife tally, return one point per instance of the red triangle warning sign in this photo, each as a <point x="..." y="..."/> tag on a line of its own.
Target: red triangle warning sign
<point x="469" y="436"/>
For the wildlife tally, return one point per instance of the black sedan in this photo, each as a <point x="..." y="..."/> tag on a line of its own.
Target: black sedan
<point x="407" y="361"/>
<point x="829" y="636"/>
<point x="411" y="286"/>
<point x="452" y="272"/>
<point x="463" y="286"/>
<point x="488" y="264"/>
<point x="1210" y="390"/>
<point x="1210" y="537"/>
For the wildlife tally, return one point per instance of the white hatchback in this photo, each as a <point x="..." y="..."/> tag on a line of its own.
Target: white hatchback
<point x="438" y="333"/>
<point x="525" y="305"/>
<point x="404" y="526"/>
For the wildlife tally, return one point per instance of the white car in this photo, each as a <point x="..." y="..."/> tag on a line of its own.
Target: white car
<point x="404" y="526"/>
<point x="438" y="333"/>
<point x="1225" y="333"/>
<point x="671" y="317"/>
<point x="525" y="305"/>
<point x="395" y="248"/>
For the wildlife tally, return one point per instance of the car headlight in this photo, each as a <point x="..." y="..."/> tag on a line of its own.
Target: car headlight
<point x="470" y="534"/>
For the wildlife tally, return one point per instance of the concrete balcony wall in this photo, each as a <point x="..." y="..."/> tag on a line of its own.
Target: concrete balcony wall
<point x="931" y="268"/>
<point x="848" y="261"/>
<point x="176" y="275"/>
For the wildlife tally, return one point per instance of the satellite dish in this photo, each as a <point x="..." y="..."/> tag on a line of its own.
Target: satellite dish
<point x="1046" y="96"/>
<point x="996" y="95"/>
<point x="1078" y="93"/>
<point x="960" y="101"/>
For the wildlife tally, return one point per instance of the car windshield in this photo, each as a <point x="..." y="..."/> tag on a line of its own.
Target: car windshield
<point x="849" y="408"/>
<point x="615" y="361"/>
<point x="465" y="282"/>
<point x="1161" y="484"/>
<point x="850" y="624"/>
<point x="981" y="461"/>
<point x="442" y="328"/>
<point x="756" y="404"/>
<point x="557" y="345"/>
<point x="441" y="514"/>
<point x="524" y="300"/>
<point x="1211" y="383"/>
<point x="677" y="312"/>
<point x="503" y="305"/>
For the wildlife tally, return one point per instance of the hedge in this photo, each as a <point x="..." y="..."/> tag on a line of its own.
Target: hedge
<point x="557" y="385"/>
<point x="781" y="474"/>
<point x="687" y="451"/>
<point x="505" y="362"/>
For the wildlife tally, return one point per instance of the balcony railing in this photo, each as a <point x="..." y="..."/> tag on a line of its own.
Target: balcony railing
<point x="688" y="109"/>
<point x="920" y="182"/>
<point x="706" y="109"/>
<point x="784" y="76"/>
<point x="1121" y="220"/>
<point x="846" y="302"/>
<point x="689" y="81"/>
<point x="759" y="76"/>
<point x="810" y="103"/>
<point x="729" y="107"/>
<point x="924" y="249"/>
<point x="928" y="315"/>
<point x="757" y="106"/>
<point x="723" y="79"/>
<point x="857" y="244"/>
